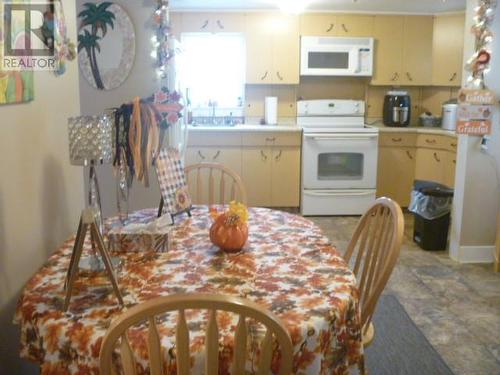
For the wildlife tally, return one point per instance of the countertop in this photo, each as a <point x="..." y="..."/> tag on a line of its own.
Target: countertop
<point x="414" y="129"/>
<point x="247" y="127"/>
<point x="288" y="127"/>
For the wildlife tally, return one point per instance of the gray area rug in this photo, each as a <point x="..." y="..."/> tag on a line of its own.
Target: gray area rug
<point x="399" y="347"/>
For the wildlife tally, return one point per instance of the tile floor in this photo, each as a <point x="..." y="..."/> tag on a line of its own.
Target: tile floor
<point x="456" y="306"/>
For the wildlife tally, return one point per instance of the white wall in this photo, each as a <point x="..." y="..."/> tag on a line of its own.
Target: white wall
<point x="477" y="188"/>
<point x="141" y="82"/>
<point x="41" y="194"/>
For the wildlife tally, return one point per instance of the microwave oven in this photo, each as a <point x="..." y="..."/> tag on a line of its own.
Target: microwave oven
<point x="336" y="56"/>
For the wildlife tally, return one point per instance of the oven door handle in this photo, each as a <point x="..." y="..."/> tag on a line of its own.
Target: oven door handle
<point x="329" y="193"/>
<point x="339" y="137"/>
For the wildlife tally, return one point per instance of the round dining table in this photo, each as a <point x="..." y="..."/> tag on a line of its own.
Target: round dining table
<point x="287" y="266"/>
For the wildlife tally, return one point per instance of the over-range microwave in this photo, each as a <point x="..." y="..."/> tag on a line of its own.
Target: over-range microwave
<point x="336" y="56"/>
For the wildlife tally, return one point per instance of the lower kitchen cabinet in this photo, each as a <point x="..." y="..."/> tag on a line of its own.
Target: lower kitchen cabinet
<point x="272" y="175"/>
<point x="268" y="162"/>
<point x="285" y="181"/>
<point x="450" y="163"/>
<point x="403" y="158"/>
<point x="256" y="175"/>
<point x="436" y="165"/>
<point x="396" y="172"/>
<point x="430" y="165"/>
<point x="228" y="156"/>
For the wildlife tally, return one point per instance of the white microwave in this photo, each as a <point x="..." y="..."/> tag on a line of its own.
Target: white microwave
<point x="332" y="56"/>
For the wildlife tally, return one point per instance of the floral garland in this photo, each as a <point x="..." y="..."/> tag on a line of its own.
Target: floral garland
<point x="64" y="48"/>
<point x="479" y="63"/>
<point x="163" y="51"/>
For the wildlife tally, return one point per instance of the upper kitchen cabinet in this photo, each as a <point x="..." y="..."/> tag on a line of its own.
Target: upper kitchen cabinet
<point x="318" y="24"/>
<point x="176" y="24"/>
<point x="403" y="50"/>
<point x="417" y="51"/>
<point x="447" y="50"/>
<point x="328" y="24"/>
<point x="272" y="42"/>
<point x="213" y="22"/>
<point x="354" y="25"/>
<point x="388" y="33"/>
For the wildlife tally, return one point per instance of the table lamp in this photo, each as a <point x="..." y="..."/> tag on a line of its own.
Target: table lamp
<point x="90" y="144"/>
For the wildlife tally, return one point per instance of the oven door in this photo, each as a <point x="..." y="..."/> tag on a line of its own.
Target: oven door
<point x="329" y="60"/>
<point x="339" y="160"/>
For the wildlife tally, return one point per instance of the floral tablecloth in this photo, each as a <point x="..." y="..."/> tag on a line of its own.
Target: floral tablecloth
<point x="287" y="265"/>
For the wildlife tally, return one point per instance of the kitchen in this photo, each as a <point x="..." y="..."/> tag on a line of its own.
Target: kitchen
<point x="399" y="58"/>
<point x="321" y="107"/>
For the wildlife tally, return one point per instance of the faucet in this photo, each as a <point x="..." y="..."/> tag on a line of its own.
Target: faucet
<point x="212" y="104"/>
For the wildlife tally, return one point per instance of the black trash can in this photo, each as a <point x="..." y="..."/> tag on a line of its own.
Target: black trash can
<point x="431" y="205"/>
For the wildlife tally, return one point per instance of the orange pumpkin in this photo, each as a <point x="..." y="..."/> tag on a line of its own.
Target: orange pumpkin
<point x="228" y="235"/>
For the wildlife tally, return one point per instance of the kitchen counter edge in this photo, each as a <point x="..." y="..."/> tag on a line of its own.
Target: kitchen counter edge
<point x="246" y="128"/>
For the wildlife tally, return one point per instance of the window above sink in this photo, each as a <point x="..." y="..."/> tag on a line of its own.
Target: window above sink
<point x="212" y="69"/>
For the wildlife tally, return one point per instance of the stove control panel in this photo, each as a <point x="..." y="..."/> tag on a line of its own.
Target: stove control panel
<point x="330" y="107"/>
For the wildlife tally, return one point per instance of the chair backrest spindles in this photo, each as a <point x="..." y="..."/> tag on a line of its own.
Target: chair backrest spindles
<point x="212" y="345"/>
<point x="182" y="345"/>
<point x="154" y="348"/>
<point x="128" y="361"/>
<point x="222" y="186"/>
<point x="375" y="246"/>
<point x="211" y="194"/>
<point x="266" y="354"/>
<point x="147" y="311"/>
<point x="240" y="346"/>
<point x="216" y="175"/>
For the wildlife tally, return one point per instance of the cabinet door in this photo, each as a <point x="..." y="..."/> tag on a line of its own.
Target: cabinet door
<point x="354" y="25"/>
<point x="228" y="23"/>
<point x="417" y="50"/>
<point x="176" y="24"/>
<point x="256" y="174"/>
<point x="324" y="24"/>
<point x="195" y="155"/>
<point x="197" y="22"/>
<point x="430" y="165"/>
<point x="396" y="171"/>
<point x="450" y="165"/>
<point x="286" y="47"/>
<point x="285" y="189"/>
<point x="388" y="31"/>
<point x="259" y="42"/>
<point x="227" y="156"/>
<point x="447" y="50"/>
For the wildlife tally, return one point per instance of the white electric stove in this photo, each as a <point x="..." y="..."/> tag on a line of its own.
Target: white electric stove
<point x="339" y="157"/>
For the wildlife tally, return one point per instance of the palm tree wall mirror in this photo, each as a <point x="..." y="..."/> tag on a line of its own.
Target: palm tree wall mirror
<point x="106" y="44"/>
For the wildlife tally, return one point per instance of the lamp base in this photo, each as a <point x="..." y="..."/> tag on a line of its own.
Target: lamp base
<point x="95" y="264"/>
<point x="88" y="222"/>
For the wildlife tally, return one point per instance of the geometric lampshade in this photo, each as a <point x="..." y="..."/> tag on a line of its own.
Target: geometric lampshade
<point x="90" y="140"/>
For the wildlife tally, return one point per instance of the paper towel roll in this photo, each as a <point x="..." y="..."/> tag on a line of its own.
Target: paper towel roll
<point x="271" y="110"/>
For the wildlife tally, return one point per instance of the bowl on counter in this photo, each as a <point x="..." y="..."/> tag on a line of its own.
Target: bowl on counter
<point x="429" y="121"/>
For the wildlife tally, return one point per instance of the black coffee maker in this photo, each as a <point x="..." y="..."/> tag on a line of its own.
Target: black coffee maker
<point x="397" y="108"/>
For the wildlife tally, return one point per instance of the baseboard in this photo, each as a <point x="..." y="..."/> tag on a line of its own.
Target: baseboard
<point x="475" y="254"/>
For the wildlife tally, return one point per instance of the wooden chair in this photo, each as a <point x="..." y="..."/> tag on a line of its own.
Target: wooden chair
<point x="201" y="179"/>
<point x="375" y="246"/>
<point x="181" y="302"/>
<point x="214" y="183"/>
